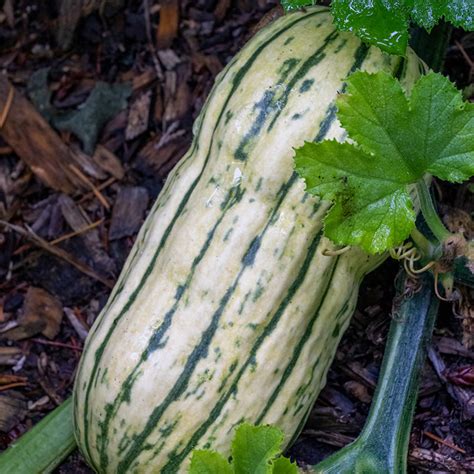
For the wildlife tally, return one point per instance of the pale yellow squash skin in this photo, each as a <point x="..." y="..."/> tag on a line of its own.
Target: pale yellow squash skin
<point x="274" y="307"/>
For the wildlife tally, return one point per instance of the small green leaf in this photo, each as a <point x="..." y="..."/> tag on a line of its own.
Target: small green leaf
<point x="209" y="462"/>
<point x="290" y="5"/>
<point x="254" y="448"/>
<point x="460" y="13"/>
<point x="284" y="466"/>
<point x="427" y="13"/>
<point x="372" y="207"/>
<point x="382" y="23"/>
<point x="430" y="132"/>
<point x="443" y="129"/>
<point x="374" y="112"/>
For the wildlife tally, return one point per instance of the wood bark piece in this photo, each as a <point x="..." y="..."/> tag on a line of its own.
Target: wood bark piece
<point x="60" y="253"/>
<point x="71" y="11"/>
<point x="432" y="461"/>
<point x="108" y="161"/>
<point x="77" y="220"/>
<point x="464" y="397"/>
<point x="36" y="143"/>
<point x="10" y="355"/>
<point x="221" y="9"/>
<point x="128" y="212"/>
<point x="177" y="93"/>
<point x="159" y="156"/>
<point x="268" y="18"/>
<point x="169" y="21"/>
<point x="13" y="409"/>
<point x="138" y="116"/>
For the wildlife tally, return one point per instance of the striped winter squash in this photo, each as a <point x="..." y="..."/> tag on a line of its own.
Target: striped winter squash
<point x="227" y="310"/>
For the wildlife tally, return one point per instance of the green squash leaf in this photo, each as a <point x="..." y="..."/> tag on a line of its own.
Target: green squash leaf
<point x="384" y="23"/>
<point x="209" y="462"/>
<point x="427" y="13"/>
<point x="381" y="23"/>
<point x="255" y="450"/>
<point x="399" y="140"/>
<point x="371" y="209"/>
<point x="460" y="13"/>
<point x="284" y="466"/>
<point x="290" y="5"/>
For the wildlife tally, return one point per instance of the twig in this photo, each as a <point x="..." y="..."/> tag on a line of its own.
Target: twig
<point x="79" y="327"/>
<point x="56" y="344"/>
<point x="91" y="185"/>
<point x="13" y="385"/>
<point x="6" y="150"/>
<point x="76" y="232"/>
<point x="58" y="252"/>
<point x="7" y="107"/>
<point x="469" y="61"/>
<point x="101" y="187"/>
<point x="442" y="441"/>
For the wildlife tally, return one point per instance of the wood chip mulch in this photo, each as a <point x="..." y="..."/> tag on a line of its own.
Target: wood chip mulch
<point x="137" y="73"/>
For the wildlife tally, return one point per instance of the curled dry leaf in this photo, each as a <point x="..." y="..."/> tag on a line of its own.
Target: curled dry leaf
<point x="41" y="313"/>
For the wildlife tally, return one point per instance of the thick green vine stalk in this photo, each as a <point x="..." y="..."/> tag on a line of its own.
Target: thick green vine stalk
<point x="382" y="446"/>
<point x="44" y="447"/>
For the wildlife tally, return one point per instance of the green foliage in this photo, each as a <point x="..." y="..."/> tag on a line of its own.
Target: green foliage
<point x="290" y="5"/>
<point x="384" y="23"/>
<point x="209" y="462"/>
<point x="399" y="140"/>
<point x="255" y="450"/>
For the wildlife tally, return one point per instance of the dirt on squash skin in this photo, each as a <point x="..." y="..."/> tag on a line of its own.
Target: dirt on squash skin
<point x="68" y="233"/>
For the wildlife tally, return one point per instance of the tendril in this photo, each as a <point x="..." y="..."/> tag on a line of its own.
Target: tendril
<point x="335" y="252"/>
<point x="408" y="254"/>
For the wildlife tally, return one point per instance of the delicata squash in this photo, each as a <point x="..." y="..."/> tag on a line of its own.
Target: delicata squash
<point x="227" y="309"/>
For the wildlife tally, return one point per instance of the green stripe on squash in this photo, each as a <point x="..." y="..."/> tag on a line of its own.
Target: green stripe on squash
<point x="182" y="352"/>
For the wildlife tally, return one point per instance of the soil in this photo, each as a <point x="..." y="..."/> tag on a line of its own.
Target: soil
<point x="70" y="231"/>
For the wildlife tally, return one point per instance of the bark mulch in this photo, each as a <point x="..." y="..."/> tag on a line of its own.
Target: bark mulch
<point x="108" y="90"/>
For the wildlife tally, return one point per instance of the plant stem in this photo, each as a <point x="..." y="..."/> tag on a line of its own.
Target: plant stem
<point x="429" y="212"/>
<point x="383" y="444"/>
<point x="42" y="448"/>
<point x="427" y="248"/>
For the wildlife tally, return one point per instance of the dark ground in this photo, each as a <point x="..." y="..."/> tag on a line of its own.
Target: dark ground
<point x="47" y="304"/>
